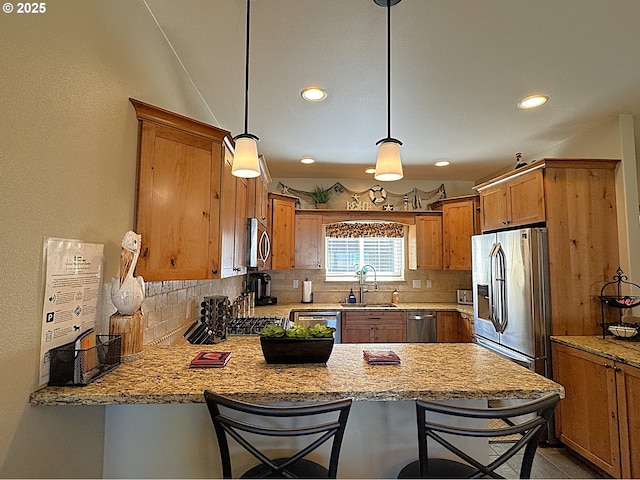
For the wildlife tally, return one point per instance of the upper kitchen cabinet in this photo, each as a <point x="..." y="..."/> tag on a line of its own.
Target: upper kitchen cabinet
<point x="233" y="219"/>
<point x="283" y="219"/>
<point x="515" y="200"/>
<point x="258" y="201"/>
<point x="425" y="240"/>
<point x="576" y="200"/>
<point x="459" y="223"/>
<point x="308" y="242"/>
<point x="178" y="195"/>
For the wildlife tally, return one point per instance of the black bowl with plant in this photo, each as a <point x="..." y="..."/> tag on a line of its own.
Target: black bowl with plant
<point x="297" y="344"/>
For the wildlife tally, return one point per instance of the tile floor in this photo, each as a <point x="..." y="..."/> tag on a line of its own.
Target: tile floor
<point x="549" y="463"/>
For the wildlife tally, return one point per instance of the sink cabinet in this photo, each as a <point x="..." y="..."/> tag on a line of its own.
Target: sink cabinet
<point x="600" y="416"/>
<point x="374" y="326"/>
<point x="178" y="195"/>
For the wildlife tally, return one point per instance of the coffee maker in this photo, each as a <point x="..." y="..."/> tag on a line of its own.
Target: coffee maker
<point x="260" y="284"/>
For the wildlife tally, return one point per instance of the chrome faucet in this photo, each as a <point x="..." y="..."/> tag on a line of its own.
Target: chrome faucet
<point x="362" y="275"/>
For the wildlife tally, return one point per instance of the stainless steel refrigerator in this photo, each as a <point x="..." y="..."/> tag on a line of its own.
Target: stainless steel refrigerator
<point x="511" y="296"/>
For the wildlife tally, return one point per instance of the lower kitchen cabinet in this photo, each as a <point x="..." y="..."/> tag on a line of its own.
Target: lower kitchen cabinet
<point x="448" y="327"/>
<point x="373" y="326"/>
<point x="465" y="328"/>
<point x="600" y="416"/>
<point x="455" y="327"/>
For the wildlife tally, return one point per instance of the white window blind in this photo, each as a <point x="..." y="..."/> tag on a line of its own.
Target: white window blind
<point x="344" y="256"/>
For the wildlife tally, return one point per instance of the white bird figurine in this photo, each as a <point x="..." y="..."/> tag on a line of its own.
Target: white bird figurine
<point x="127" y="291"/>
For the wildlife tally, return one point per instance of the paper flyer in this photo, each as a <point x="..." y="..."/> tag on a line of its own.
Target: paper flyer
<point x="73" y="282"/>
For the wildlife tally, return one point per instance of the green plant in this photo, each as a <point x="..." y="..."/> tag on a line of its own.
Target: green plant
<point x="320" y="194"/>
<point x="297" y="331"/>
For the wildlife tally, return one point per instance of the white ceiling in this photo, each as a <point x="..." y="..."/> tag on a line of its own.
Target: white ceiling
<point x="459" y="68"/>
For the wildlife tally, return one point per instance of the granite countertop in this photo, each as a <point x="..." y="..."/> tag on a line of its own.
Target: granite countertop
<point x="284" y="309"/>
<point x="435" y="371"/>
<point x="625" y="351"/>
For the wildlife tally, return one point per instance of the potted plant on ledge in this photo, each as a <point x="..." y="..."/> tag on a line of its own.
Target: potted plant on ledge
<point x="321" y="195"/>
<point x="297" y="344"/>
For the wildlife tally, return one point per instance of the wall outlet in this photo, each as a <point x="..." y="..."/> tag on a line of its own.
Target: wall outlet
<point x="429" y="284"/>
<point x="295" y="284"/>
<point x="417" y="283"/>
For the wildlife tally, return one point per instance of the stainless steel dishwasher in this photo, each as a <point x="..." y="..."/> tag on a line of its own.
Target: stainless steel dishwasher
<point x="421" y="326"/>
<point x="310" y="318"/>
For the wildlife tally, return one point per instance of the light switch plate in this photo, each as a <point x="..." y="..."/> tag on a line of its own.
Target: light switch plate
<point x="295" y="284"/>
<point x="417" y="283"/>
<point x="428" y="283"/>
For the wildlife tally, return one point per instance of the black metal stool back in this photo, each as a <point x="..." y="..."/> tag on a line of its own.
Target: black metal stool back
<point x="530" y="426"/>
<point x="227" y="423"/>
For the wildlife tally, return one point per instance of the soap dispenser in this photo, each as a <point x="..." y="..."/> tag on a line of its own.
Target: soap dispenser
<point x="395" y="296"/>
<point x="351" y="298"/>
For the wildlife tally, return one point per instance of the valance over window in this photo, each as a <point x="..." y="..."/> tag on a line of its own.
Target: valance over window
<point x="364" y="230"/>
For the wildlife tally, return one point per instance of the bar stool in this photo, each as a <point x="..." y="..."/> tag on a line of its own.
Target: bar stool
<point x="233" y="421"/>
<point x="528" y="420"/>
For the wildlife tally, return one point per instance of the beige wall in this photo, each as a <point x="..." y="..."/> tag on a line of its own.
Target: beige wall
<point x="67" y="158"/>
<point x="68" y="162"/>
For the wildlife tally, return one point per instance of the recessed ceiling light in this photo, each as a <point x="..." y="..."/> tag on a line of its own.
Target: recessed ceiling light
<point x="307" y="160"/>
<point x="533" y="101"/>
<point x="370" y="170"/>
<point x="442" y="163"/>
<point x="313" y="94"/>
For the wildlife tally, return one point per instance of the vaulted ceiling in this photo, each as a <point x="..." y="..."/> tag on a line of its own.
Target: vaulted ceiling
<point x="459" y="68"/>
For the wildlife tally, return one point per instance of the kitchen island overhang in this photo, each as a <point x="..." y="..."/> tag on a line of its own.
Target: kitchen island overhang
<point x="155" y="406"/>
<point x="432" y="371"/>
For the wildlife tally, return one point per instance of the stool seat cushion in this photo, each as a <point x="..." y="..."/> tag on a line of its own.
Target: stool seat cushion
<point x="438" y="468"/>
<point x="302" y="469"/>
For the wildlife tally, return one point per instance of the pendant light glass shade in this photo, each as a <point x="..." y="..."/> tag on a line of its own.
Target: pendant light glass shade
<point x="389" y="163"/>
<point x="245" y="158"/>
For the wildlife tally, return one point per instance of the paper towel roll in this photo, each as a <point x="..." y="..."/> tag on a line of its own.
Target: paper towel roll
<point x="307" y="296"/>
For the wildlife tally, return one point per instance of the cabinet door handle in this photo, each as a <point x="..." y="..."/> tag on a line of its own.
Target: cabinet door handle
<point x="214" y="271"/>
<point x="606" y="365"/>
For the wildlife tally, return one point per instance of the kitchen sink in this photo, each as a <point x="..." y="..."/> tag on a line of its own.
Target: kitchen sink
<point x="370" y="305"/>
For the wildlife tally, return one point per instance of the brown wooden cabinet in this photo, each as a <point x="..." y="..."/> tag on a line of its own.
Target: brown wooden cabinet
<point x="283" y="218"/>
<point x="178" y="195"/>
<point x="258" y="200"/>
<point x="577" y="201"/>
<point x="426" y="242"/>
<point x="233" y="220"/>
<point x="454" y="327"/>
<point x="599" y="417"/>
<point x="448" y="327"/>
<point x="374" y="326"/>
<point x="466" y="333"/>
<point x="459" y="221"/>
<point x="308" y="243"/>
<point x="517" y="200"/>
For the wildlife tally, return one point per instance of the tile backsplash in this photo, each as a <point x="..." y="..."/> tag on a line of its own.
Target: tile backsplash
<point x="171" y="306"/>
<point x="435" y="286"/>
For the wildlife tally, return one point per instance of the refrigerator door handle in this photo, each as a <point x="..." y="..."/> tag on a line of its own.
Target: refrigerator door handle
<point x="498" y="288"/>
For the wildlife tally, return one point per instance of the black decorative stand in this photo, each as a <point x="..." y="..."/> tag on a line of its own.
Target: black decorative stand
<point x="620" y="301"/>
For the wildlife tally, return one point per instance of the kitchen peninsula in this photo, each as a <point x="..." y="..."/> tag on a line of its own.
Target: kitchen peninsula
<point x="156" y="411"/>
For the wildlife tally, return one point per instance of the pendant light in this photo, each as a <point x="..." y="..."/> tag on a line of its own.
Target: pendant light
<point x="245" y="158"/>
<point x="389" y="163"/>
